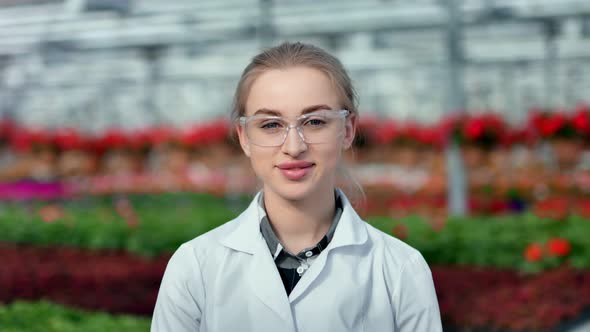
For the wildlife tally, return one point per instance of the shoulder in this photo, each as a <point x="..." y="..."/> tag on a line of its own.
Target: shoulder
<point x="404" y="269"/>
<point x="209" y="247"/>
<point x="401" y="264"/>
<point x="194" y="261"/>
<point x="208" y="243"/>
<point x="388" y="251"/>
<point x="394" y="252"/>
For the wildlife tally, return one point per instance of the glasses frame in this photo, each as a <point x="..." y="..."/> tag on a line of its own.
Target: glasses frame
<point x="243" y="119"/>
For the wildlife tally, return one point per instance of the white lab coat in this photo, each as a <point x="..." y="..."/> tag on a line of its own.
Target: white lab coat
<point x="365" y="280"/>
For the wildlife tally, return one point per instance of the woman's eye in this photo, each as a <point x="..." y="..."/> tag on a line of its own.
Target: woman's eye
<point x="270" y="125"/>
<point x="315" y="122"/>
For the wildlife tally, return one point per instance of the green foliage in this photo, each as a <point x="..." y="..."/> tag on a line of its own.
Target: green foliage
<point x="165" y="222"/>
<point x="494" y="241"/>
<point x="48" y="317"/>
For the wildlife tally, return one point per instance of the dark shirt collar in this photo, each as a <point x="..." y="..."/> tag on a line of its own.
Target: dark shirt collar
<point x="273" y="242"/>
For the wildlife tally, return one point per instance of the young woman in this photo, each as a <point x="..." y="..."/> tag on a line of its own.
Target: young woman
<point x="299" y="258"/>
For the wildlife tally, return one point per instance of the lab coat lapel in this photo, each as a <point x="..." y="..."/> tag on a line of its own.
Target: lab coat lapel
<point x="263" y="276"/>
<point x="267" y="284"/>
<point x="351" y="230"/>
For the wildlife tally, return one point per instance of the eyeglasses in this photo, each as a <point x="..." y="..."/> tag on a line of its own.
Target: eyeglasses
<point x="313" y="128"/>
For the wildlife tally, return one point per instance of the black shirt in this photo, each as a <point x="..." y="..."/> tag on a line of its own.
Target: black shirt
<point x="292" y="266"/>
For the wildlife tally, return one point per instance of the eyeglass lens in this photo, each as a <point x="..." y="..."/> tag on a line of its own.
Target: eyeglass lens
<point x="315" y="128"/>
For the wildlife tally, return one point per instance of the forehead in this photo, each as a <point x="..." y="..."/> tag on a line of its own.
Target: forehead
<point x="290" y="91"/>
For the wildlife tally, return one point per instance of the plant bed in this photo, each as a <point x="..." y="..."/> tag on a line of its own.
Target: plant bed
<point x="474" y="298"/>
<point x="158" y="224"/>
<point x="112" y="281"/>
<point x="517" y="242"/>
<point x="148" y="225"/>
<point x="480" y="299"/>
<point x="49" y="317"/>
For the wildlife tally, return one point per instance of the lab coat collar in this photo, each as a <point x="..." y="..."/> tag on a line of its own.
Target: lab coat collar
<point x="246" y="236"/>
<point x="264" y="277"/>
<point x="351" y="229"/>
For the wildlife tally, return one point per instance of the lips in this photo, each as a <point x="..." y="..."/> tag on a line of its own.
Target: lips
<point x="295" y="164"/>
<point x="295" y="170"/>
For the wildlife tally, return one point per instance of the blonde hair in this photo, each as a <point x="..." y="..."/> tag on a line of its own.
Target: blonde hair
<point x="288" y="55"/>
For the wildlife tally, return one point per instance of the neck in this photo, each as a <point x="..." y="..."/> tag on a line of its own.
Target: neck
<point x="300" y="224"/>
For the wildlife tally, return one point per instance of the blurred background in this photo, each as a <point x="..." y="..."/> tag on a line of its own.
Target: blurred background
<point x="115" y="147"/>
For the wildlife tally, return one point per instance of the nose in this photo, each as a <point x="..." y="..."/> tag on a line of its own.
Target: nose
<point x="294" y="144"/>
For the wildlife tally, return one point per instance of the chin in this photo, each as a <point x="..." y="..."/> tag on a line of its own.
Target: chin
<point x="293" y="191"/>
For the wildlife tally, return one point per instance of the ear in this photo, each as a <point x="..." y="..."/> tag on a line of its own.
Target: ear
<point x="243" y="140"/>
<point x="350" y="131"/>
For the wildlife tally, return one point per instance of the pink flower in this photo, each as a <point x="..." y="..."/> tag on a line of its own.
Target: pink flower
<point x="51" y="213"/>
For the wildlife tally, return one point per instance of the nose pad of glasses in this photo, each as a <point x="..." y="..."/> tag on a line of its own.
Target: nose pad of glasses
<point x="299" y="133"/>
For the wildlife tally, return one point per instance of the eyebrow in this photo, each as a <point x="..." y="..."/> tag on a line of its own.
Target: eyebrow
<point x="306" y="110"/>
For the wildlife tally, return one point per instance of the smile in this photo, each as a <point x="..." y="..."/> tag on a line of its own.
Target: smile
<point x="296" y="170"/>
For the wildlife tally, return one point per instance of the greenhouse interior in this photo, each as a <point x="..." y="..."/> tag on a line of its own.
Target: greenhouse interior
<point x="116" y="146"/>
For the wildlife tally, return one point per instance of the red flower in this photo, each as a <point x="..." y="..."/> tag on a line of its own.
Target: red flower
<point x="485" y="129"/>
<point x="412" y="131"/>
<point x="581" y="119"/>
<point x="112" y="139"/>
<point x="519" y="135"/>
<point x="20" y="141"/>
<point x="6" y="128"/>
<point x="533" y="252"/>
<point x="583" y="208"/>
<point x="208" y="133"/>
<point x="552" y="208"/>
<point x="139" y="138"/>
<point x="367" y="126"/>
<point x="162" y="134"/>
<point x="23" y="139"/>
<point x="384" y="133"/>
<point x="432" y="135"/>
<point x="474" y="128"/>
<point x="192" y="136"/>
<point x="558" y="247"/>
<point x="215" y="132"/>
<point x="390" y="131"/>
<point x="553" y="124"/>
<point x="69" y="139"/>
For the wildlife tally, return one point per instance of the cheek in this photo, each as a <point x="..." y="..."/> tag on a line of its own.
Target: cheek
<point x="328" y="156"/>
<point x="261" y="160"/>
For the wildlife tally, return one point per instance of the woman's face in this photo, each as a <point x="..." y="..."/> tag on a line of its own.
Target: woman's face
<point x="296" y="170"/>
